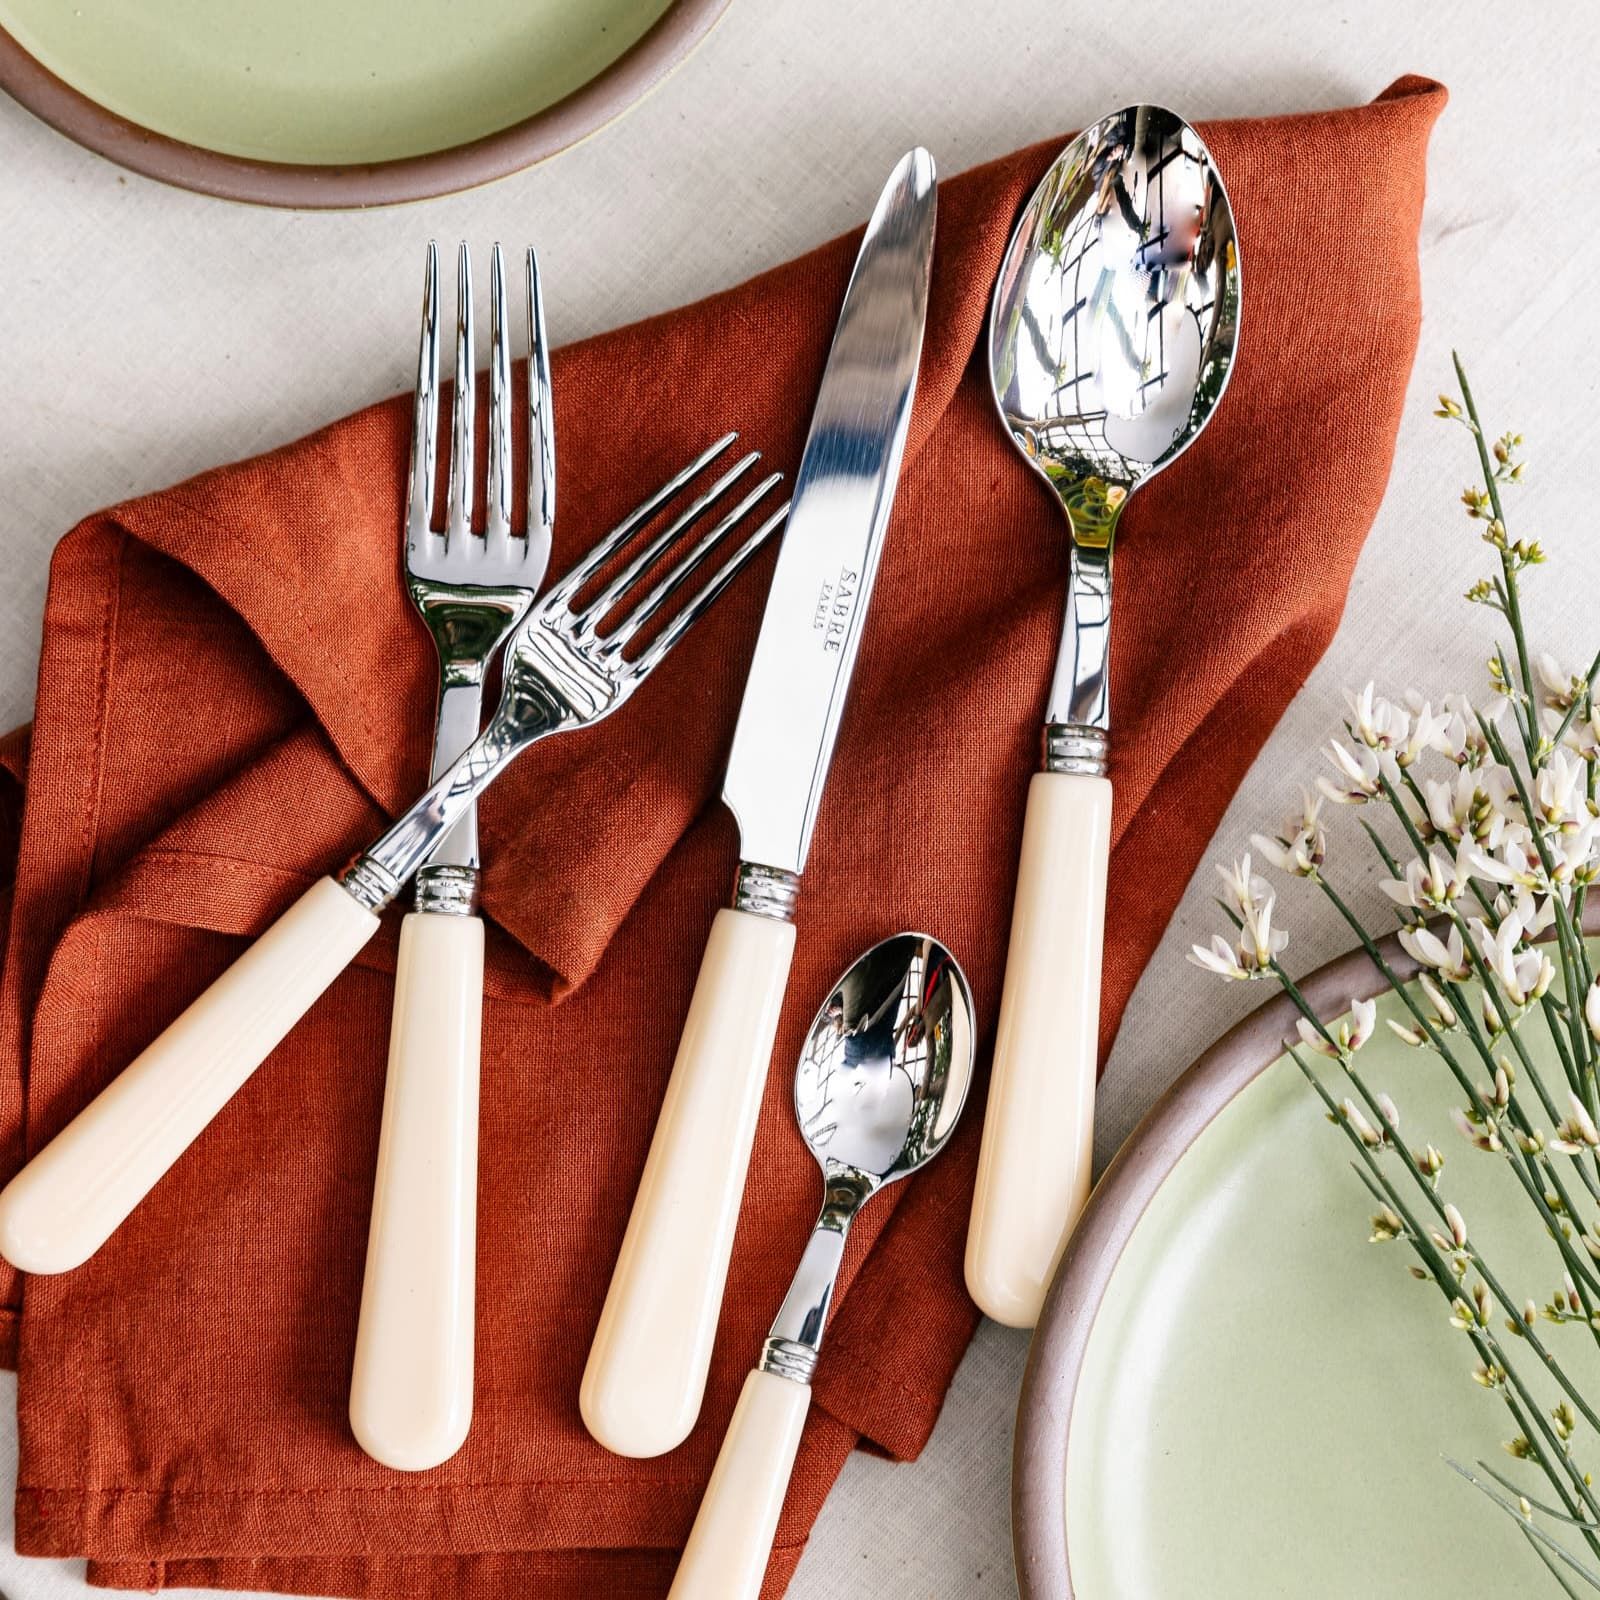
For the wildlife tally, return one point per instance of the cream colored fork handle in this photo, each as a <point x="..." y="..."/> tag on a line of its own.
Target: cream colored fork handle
<point x="69" y="1199"/>
<point x="411" y="1387"/>
<point x="647" y="1367"/>
<point x="731" y="1542"/>
<point x="1038" y="1127"/>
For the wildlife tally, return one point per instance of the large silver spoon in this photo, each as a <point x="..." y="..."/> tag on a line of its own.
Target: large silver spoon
<point x="1111" y="340"/>
<point x="879" y="1089"/>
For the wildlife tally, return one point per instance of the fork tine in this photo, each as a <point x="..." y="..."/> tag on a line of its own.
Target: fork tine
<point x="497" y="519"/>
<point x="588" y="620"/>
<point x="669" y="584"/>
<point x="425" y="409"/>
<point x="651" y="658"/>
<point x="541" y="426"/>
<point x="463" y="411"/>
<point x="633" y="522"/>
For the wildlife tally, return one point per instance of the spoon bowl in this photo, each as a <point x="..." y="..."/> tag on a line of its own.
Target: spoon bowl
<point x="888" y="1062"/>
<point x="1116" y="312"/>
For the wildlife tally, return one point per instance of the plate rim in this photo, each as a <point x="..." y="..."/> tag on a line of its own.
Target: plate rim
<point x="1117" y="1203"/>
<point x="308" y="186"/>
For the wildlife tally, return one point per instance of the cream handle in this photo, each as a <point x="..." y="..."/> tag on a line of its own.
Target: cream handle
<point x="71" y="1197"/>
<point x="647" y="1367"/>
<point x="411" y="1388"/>
<point x="1038" y="1129"/>
<point x="726" y="1556"/>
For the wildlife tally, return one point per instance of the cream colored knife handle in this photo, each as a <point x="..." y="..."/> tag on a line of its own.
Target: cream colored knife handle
<point x="647" y="1367"/>
<point x="411" y="1388"/>
<point x="70" y="1198"/>
<point x="1038" y="1128"/>
<point x="726" y="1557"/>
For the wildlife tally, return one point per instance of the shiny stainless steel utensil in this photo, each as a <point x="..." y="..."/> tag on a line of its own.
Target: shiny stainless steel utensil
<point x="879" y="1090"/>
<point x="567" y="666"/>
<point x="411" y="1383"/>
<point x="647" y="1367"/>
<point x="1111" y="340"/>
<point x="472" y="591"/>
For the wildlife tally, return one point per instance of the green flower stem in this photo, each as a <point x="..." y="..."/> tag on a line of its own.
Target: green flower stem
<point x="1409" y="1161"/>
<point x="1574" y="934"/>
<point x="1517" y="1489"/>
<point x="1580" y="899"/>
<point x="1556" y="1025"/>
<point x="1380" y="1121"/>
<point x="1489" y="1348"/>
<point x="1551" y="1110"/>
<point x="1574" y="958"/>
<point x="1526" y="1171"/>
<point x="1575" y="969"/>
<point x="1577" y="1261"/>
<point x="1382" y="849"/>
<point x="1502" y="1004"/>
<point x="1303" y="1006"/>
<point x="1540" y="1539"/>
<point x="1585" y="970"/>
<point x="1384" y="1191"/>
<point x="1292" y="990"/>
<point x="1579" y="702"/>
<point x="1398" y="806"/>
<point x="1480" y="1106"/>
<point x="1496" y="995"/>
<point x="1513" y="602"/>
<point x="1537" y="1546"/>
<point x="1527" y="1174"/>
<point x="1589" y="1174"/>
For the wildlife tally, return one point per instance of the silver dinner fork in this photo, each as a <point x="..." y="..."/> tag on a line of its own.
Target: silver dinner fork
<point x="473" y="591"/>
<point x="411" y="1382"/>
<point x="576" y="658"/>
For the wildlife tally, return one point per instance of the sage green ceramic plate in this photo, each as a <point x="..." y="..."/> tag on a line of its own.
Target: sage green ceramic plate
<point x="1232" y="1395"/>
<point x="312" y="102"/>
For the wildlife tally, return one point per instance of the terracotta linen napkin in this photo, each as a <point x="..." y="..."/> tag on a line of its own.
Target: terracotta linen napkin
<point x="234" y="694"/>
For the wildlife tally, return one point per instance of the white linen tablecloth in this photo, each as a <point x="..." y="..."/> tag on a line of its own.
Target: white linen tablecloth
<point x="147" y="333"/>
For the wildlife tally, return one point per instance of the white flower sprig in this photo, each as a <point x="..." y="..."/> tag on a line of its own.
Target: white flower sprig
<point x="1251" y="902"/>
<point x="1303" y="845"/>
<point x="1498" y="842"/>
<point x="1346" y="1036"/>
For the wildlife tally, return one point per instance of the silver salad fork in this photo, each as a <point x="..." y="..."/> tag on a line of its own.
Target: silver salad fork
<point x="411" y="1384"/>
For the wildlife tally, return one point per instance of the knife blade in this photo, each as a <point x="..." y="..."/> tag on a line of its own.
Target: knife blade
<point x="647" y="1367"/>
<point x="806" y="650"/>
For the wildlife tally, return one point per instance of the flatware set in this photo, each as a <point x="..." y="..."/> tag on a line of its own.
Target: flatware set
<point x="1112" y="337"/>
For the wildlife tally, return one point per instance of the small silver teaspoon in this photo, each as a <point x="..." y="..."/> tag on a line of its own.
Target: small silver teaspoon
<point x="1111" y="340"/>
<point x="879" y="1091"/>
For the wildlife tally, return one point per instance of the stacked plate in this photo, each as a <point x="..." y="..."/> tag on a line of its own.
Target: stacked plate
<point x="1232" y="1394"/>
<point x="300" y="103"/>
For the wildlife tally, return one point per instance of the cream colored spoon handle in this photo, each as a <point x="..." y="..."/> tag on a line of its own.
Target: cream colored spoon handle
<point x="70" y="1198"/>
<point x="726" y="1557"/>
<point x="647" y="1367"/>
<point x="411" y="1387"/>
<point x="1038" y="1130"/>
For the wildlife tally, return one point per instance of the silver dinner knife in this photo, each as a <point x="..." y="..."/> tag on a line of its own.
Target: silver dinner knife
<point x="647" y="1367"/>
